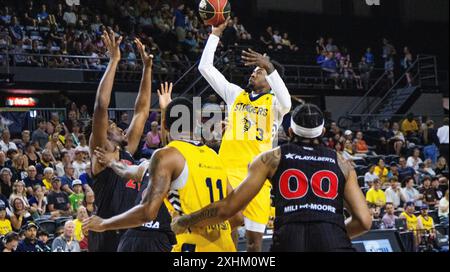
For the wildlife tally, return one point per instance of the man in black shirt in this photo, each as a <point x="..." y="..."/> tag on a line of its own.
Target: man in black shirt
<point x="58" y="201"/>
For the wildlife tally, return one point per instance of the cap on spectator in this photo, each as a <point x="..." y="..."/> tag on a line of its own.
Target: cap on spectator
<point x="424" y="207"/>
<point x="79" y="149"/>
<point x="2" y="205"/>
<point x="31" y="225"/>
<point x="76" y="182"/>
<point x="393" y="164"/>
<point x="409" y="203"/>
<point x="56" y="179"/>
<point x="348" y="132"/>
<point x="5" y="169"/>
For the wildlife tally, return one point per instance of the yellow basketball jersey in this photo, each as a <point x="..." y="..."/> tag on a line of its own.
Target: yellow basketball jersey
<point x="250" y="129"/>
<point x="427" y="224"/>
<point x="206" y="183"/>
<point x="411" y="221"/>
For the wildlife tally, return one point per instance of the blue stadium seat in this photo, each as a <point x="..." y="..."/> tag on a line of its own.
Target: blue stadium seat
<point x="48" y="225"/>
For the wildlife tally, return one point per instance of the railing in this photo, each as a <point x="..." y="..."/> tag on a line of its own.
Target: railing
<point x="34" y="113"/>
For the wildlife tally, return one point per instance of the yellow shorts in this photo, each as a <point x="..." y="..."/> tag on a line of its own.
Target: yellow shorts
<point x="201" y="241"/>
<point x="258" y="210"/>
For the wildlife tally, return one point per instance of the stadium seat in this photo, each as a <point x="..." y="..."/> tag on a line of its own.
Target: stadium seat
<point x="361" y="182"/>
<point x="48" y="225"/>
<point x="62" y="220"/>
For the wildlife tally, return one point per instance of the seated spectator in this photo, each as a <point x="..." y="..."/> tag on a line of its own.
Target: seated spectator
<point x="70" y="17"/>
<point x="381" y="171"/>
<point x="393" y="171"/>
<point x="86" y="177"/>
<point x="393" y="193"/>
<point x="81" y="215"/>
<point x="375" y="211"/>
<point x="31" y="243"/>
<point x="38" y="202"/>
<point x="43" y="237"/>
<point x="47" y="161"/>
<point x="397" y="139"/>
<point x="370" y="176"/>
<point x="79" y="164"/>
<point x="66" y="242"/>
<point x="443" y="209"/>
<point x="89" y="202"/>
<point x="6" y="143"/>
<point x="411" y="219"/>
<point x="410" y="194"/>
<point x="425" y="223"/>
<point x="428" y="193"/>
<point x="5" y="182"/>
<point x="58" y="201"/>
<point x="435" y="184"/>
<point x="65" y="160"/>
<point x="330" y="66"/>
<point x="348" y="152"/>
<point x="405" y="171"/>
<point x="361" y="147"/>
<point x="441" y="166"/>
<point x="48" y="177"/>
<point x="414" y="160"/>
<point x="153" y="140"/>
<point x="20" y="216"/>
<point x="19" y="192"/>
<point x="389" y="216"/>
<point x="77" y="197"/>
<point x="375" y="195"/>
<point x="10" y="242"/>
<point x="31" y="180"/>
<point x="5" y="223"/>
<point x="409" y="126"/>
<point x="68" y="178"/>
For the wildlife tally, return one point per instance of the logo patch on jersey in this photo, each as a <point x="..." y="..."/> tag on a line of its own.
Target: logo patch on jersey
<point x="247" y="124"/>
<point x="292" y="156"/>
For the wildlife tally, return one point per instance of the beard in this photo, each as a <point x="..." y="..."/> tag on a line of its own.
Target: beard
<point x="250" y="87"/>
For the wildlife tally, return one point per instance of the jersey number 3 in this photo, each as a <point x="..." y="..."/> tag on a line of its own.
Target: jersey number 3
<point x="302" y="184"/>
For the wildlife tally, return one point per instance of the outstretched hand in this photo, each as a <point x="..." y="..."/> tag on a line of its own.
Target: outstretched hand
<point x="165" y="95"/>
<point x="112" y="44"/>
<point x="147" y="59"/>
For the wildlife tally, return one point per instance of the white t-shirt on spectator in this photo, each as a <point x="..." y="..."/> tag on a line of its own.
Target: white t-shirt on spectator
<point x="410" y="195"/>
<point x="79" y="168"/>
<point x="413" y="163"/>
<point x="443" y="203"/>
<point x="393" y="197"/>
<point x="6" y="146"/>
<point x="59" y="172"/>
<point x="70" y="17"/>
<point x="442" y="134"/>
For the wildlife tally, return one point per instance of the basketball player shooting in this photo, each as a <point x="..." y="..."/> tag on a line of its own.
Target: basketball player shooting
<point x="311" y="184"/>
<point x="254" y="115"/>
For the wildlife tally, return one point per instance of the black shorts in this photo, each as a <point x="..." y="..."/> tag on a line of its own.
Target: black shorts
<point x="144" y="241"/>
<point x="104" y="241"/>
<point x="311" y="237"/>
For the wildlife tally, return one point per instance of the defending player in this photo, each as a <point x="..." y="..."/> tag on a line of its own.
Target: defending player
<point x="311" y="184"/>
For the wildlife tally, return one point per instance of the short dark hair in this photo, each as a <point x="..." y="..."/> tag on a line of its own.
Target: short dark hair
<point x="179" y="101"/>
<point x="389" y="203"/>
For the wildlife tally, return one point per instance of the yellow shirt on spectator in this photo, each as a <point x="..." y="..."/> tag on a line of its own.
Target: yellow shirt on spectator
<point x="78" y="232"/>
<point x="47" y="184"/>
<point x="376" y="197"/>
<point x="5" y="226"/>
<point x="427" y="224"/>
<point x="408" y="126"/>
<point x="382" y="174"/>
<point x="411" y="221"/>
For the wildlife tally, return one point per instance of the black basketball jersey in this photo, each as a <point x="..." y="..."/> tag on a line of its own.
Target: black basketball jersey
<point x="114" y="194"/>
<point x="308" y="186"/>
<point x="163" y="219"/>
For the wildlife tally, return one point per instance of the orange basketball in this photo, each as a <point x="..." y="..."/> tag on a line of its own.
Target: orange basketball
<point x="214" y="12"/>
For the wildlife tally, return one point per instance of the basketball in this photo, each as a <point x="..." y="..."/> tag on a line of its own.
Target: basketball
<point x="214" y="12"/>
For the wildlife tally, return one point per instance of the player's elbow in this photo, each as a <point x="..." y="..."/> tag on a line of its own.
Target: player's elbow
<point x="365" y="222"/>
<point x="203" y="69"/>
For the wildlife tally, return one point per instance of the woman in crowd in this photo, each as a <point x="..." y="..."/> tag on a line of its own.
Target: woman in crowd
<point x="31" y="156"/>
<point x="19" y="191"/>
<point x="441" y="166"/>
<point x="88" y="202"/>
<point x="38" y="202"/>
<point x="20" y="216"/>
<point x="10" y="242"/>
<point x="18" y="167"/>
<point x="55" y="146"/>
<point x="397" y="140"/>
<point x="152" y="140"/>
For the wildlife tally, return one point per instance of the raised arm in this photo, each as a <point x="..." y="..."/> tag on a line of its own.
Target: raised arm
<point x="103" y="97"/>
<point x="165" y="165"/>
<point x="110" y="159"/>
<point x="283" y="98"/>
<point x="263" y="167"/>
<point x="142" y="104"/>
<point x="360" y="220"/>
<point x="218" y="82"/>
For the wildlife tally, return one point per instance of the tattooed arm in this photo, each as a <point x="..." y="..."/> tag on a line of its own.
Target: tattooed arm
<point x="360" y="220"/>
<point x="165" y="166"/>
<point x="263" y="167"/>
